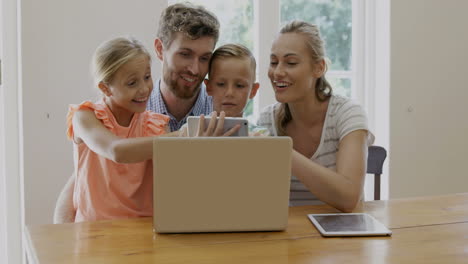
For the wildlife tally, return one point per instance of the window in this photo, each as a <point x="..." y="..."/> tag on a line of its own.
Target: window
<point x="236" y="18"/>
<point x="334" y="19"/>
<point x="353" y="30"/>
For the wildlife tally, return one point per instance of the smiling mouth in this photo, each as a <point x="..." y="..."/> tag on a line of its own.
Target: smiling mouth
<point x="142" y="100"/>
<point x="281" y="85"/>
<point x="188" y="79"/>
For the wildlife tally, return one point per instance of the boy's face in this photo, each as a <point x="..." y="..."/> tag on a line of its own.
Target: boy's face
<point x="231" y="84"/>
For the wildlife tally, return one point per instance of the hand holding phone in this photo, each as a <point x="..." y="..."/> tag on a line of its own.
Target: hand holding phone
<point x="220" y="126"/>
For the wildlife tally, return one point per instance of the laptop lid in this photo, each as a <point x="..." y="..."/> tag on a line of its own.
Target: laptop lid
<point x="221" y="184"/>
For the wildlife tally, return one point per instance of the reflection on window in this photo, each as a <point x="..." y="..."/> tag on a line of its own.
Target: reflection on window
<point x="334" y="18"/>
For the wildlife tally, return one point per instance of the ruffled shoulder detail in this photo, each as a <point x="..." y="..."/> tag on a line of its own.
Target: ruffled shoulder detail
<point x="155" y="124"/>
<point x="99" y="110"/>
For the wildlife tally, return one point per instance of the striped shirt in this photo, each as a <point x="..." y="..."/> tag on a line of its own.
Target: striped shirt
<point x="203" y="105"/>
<point x="343" y="117"/>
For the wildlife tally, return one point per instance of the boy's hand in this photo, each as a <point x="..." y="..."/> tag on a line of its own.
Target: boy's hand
<point x="215" y="127"/>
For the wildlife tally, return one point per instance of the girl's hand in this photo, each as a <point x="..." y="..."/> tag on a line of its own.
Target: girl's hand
<point x="215" y="126"/>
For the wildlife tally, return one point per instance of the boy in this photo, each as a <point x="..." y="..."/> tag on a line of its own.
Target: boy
<point x="231" y="79"/>
<point x="231" y="82"/>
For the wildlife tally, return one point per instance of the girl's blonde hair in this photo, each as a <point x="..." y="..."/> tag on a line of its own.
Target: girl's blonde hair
<point x="323" y="89"/>
<point x="114" y="53"/>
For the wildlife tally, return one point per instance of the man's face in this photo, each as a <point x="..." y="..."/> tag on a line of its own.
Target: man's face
<point x="185" y="63"/>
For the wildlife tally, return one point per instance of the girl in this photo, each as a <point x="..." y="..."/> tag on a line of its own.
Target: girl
<point x="110" y="134"/>
<point x="116" y="129"/>
<point x="330" y="133"/>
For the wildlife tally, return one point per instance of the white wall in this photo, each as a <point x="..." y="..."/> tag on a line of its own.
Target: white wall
<point x="58" y="39"/>
<point x="429" y="93"/>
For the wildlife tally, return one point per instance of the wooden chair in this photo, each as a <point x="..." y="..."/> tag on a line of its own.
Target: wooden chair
<point x="375" y="160"/>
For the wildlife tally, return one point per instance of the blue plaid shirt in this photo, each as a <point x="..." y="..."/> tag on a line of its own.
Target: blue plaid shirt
<point x="203" y="105"/>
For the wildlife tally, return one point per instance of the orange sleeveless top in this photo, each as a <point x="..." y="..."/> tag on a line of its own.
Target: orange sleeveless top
<point x="105" y="189"/>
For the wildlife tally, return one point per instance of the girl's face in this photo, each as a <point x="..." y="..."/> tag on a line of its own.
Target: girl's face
<point x="130" y="88"/>
<point x="292" y="73"/>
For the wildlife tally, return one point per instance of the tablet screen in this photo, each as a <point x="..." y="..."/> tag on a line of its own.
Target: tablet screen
<point x="335" y="223"/>
<point x="348" y="224"/>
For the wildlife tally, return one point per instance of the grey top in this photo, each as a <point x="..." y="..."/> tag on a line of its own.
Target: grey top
<point x="343" y="117"/>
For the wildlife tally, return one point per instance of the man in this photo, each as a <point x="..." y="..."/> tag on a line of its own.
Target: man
<point x="186" y="37"/>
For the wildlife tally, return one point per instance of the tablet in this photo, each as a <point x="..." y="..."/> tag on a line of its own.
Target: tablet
<point x="229" y="122"/>
<point x="352" y="224"/>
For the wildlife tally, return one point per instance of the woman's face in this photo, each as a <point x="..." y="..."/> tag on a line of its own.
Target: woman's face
<point x="292" y="72"/>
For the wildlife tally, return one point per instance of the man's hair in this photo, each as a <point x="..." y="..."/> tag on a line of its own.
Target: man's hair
<point x="191" y="20"/>
<point x="233" y="51"/>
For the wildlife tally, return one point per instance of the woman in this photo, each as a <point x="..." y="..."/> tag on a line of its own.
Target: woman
<point x="330" y="133"/>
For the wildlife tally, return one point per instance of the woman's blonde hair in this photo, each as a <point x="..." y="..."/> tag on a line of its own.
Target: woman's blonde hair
<point x="323" y="89"/>
<point x="114" y="53"/>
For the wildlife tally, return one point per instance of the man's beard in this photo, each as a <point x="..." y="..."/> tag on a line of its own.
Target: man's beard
<point x="181" y="92"/>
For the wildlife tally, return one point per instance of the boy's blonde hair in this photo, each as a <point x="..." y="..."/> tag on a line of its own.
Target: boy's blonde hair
<point x="114" y="53"/>
<point x="233" y="51"/>
<point x="192" y="20"/>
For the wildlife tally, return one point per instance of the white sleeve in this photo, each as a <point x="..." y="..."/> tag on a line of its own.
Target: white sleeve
<point x="352" y="117"/>
<point x="266" y="120"/>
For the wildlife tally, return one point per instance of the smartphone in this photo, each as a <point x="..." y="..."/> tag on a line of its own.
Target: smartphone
<point x="229" y="122"/>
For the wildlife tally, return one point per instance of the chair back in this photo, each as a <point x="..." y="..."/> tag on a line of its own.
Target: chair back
<point x="375" y="160"/>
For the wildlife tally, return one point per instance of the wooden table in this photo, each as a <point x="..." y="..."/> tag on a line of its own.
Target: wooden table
<point x="425" y="230"/>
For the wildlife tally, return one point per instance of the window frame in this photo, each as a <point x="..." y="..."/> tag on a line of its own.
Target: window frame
<point x="11" y="172"/>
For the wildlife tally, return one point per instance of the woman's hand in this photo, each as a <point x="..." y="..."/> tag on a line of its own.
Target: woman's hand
<point x="215" y="126"/>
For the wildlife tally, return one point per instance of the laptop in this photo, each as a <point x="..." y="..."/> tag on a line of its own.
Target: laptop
<point x="221" y="184"/>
